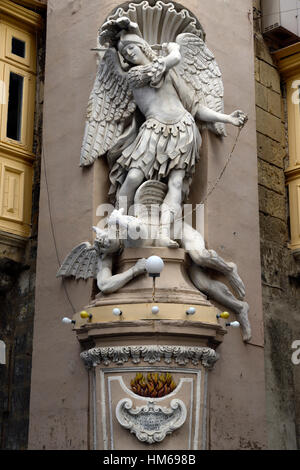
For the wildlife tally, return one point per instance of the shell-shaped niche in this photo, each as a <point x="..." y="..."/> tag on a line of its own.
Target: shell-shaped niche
<point x="161" y="22"/>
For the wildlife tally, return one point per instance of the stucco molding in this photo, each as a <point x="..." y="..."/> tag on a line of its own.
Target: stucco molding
<point x="151" y="423"/>
<point x="181" y="355"/>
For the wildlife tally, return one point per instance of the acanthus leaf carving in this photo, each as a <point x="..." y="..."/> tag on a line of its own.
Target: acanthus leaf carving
<point x="151" y="354"/>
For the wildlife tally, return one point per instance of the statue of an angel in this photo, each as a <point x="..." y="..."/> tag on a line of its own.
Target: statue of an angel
<point x="171" y="86"/>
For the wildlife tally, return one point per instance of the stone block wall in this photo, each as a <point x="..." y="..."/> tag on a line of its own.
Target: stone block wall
<point x="280" y="271"/>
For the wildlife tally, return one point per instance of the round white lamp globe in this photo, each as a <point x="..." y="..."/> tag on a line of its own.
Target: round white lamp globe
<point x="154" y="266"/>
<point x="66" y="320"/>
<point x="155" y="310"/>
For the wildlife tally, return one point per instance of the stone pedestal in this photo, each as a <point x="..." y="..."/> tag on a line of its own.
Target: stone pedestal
<point x="121" y="419"/>
<point x="178" y="347"/>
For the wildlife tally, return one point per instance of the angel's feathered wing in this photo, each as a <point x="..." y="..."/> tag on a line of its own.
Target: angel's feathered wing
<point x="81" y="263"/>
<point x="110" y="105"/>
<point x="200" y="72"/>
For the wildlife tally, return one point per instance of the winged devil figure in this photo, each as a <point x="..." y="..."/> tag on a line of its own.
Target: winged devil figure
<point x="171" y="86"/>
<point x="96" y="261"/>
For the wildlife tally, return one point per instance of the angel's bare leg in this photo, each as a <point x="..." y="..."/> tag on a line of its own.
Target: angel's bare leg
<point x="220" y="293"/>
<point x="210" y="259"/>
<point x="170" y="207"/>
<point x="108" y="284"/>
<point x="127" y="191"/>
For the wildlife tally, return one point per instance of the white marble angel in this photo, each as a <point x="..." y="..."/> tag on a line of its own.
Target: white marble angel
<point x="168" y="88"/>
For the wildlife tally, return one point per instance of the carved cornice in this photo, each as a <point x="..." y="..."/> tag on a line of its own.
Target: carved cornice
<point x="292" y="173"/>
<point x="26" y="17"/>
<point x="12" y="240"/>
<point x="288" y="60"/>
<point x="181" y="355"/>
<point x="37" y="4"/>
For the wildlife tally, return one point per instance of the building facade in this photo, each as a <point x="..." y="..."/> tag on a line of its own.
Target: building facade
<point x="276" y="73"/>
<point x="48" y="205"/>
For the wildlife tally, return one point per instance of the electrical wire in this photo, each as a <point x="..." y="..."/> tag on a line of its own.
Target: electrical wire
<point x="43" y="163"/>
<point x="52" y="226"/>
<point x="213" y="187"/>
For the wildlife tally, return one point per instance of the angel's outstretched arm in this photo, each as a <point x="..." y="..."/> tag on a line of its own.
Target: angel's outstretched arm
<point x="237" y="118"/>
<point x="107" y="283"/>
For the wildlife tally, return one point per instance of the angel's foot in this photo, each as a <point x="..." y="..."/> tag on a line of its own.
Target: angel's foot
<point x="236" y="282"/>
<point x="166" y="242"/>
<point x="244" y="322"/>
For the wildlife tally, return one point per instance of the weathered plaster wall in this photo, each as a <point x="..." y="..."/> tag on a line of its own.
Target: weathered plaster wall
<point x="59" y="394"/>
<point x="280" y="272"/>
<point x="59" y="381"/>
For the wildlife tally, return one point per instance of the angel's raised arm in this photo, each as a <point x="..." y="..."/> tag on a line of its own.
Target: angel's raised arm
<point x="174" y="56"/>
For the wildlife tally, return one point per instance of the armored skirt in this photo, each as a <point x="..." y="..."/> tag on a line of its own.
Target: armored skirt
<point x="158" y="149"/>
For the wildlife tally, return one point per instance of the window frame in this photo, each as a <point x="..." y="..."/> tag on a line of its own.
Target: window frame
<point x="30" y="53"/>
<point x="16" y="156"/>
<point x="28" y="108"/>
<point x="288" y="61"/>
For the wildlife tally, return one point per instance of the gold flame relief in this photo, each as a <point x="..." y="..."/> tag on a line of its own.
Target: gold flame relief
<point x="154" y="386"/>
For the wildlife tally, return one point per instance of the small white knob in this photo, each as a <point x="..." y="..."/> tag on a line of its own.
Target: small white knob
<point x="234" y="324"/>
<point x="191" y="311"/>
<point x="117" y="312"/>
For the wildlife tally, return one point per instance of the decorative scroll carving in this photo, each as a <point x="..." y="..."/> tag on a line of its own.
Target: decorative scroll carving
<point x="181" y="355"/>
<point x="151" y="423"/>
